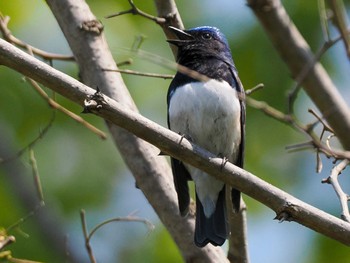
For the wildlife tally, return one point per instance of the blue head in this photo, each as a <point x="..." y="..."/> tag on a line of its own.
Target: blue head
<point x="201" y="41"/>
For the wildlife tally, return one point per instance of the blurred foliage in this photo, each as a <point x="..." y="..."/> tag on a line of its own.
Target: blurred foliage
<point x="158" y="248"/>
<point x="322" y="253"/>
<point x="79" y="170"/>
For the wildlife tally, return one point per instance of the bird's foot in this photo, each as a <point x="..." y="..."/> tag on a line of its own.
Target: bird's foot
<point x="224" y="161"/>
<point x="183" y="136"/>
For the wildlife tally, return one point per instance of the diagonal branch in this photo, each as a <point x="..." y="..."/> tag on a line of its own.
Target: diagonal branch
<point x="12" y="39"/>
<point x="343" y="197"/>
<point x="286" y="206"/>
<point x="296" y="53"/>
<point x="52" y="103"/>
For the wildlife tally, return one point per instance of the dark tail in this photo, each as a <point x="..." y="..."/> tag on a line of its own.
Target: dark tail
<point x="214" y="229"/>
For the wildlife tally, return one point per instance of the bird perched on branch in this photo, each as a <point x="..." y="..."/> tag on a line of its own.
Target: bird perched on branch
<point x="206" y="105"/>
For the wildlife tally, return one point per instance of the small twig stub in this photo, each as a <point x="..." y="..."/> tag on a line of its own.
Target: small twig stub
<point x="93" y="26"/>
<point x="94" y="102"/>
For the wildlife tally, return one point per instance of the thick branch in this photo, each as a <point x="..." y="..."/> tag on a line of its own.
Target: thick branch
<point x="238" y="247"/>
<point x="168" y="10"/>
<point x="286" y="206"/>
<point x="296" y="53"/>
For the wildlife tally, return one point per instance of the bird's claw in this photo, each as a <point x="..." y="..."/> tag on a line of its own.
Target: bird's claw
<point x="184" y="136"/>
<point x="223" y="163"/>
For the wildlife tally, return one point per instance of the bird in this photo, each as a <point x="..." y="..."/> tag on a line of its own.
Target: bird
<point x="205" y="104"/>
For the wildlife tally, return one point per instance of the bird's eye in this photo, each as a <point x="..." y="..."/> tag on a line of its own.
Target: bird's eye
<point x="206" y="36"/>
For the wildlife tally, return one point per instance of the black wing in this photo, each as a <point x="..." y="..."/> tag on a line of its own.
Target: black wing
<point x="180" y="174"/>
<point x="237" y="84"/>
<point x="181" y="177"/>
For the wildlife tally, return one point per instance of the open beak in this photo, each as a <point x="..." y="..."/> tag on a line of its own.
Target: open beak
<point x="182" y="37"/>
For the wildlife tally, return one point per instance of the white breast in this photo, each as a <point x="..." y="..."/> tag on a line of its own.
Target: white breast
<point x="209" y="115"/>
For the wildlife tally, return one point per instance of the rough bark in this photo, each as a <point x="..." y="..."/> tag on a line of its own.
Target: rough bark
<point x="297" y="55"/>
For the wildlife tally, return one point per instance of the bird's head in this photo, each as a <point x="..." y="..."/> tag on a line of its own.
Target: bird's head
<point x="203" y="40"/>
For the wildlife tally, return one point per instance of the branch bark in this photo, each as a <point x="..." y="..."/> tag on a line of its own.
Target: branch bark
<point x="297" y="55"/>
<point x="286" y="206"/>
<point x="168" y="10"/>
<point x="152" y="173"/>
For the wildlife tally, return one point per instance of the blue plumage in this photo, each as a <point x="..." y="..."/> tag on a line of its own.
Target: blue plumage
<point x="210" y="113"/>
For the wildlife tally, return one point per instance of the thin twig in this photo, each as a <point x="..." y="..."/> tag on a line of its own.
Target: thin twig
<point x="32" y="143"/>
<point x="136" y="11"/>
<point x="149" y="225"/>
<point x="24" y="218"/>
<point x="308" y="67"/>
<point x="343" y="197"/>
<point x="4" y="20"/>
<point x="290" y="120"/>
<point x="144" y="74"/>
<point x="254" y="89"/>
<point x="321" y="120"/>
<point x="319" y="164"/>
<point x="158" y="60"/>
<point x="328" y="142"/>
<point x="86" y="237"/>
<point x="170" y="65"/>
<point x="300" y="146"/>
<point x="324" y="20"/>
<point x="36" y="176"/>
<point x="292" y="95"/>
<point x="339" y="19"/>
<point x="62" y="109"/>
<point x="268" y="110"/>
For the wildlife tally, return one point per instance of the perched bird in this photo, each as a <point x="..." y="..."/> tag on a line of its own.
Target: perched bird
<point x="209" y="112"/>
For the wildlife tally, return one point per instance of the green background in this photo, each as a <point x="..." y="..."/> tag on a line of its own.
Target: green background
<point x="78" y="170"/>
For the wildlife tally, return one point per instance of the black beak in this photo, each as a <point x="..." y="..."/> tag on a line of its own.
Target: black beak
<point x="182" y="37"/>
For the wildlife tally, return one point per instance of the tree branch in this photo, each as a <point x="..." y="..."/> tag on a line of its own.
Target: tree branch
<point x="343" y="197"/>
<point x="53" y="104"/>
<point x="168" y="10"/>
<point x="286" y="206"/>
<point x="238" y="247"/>
<point x="339" y="19"/>
<point x="142" y="74"/>
<point x="297" y="55"/>
<point x="11" y="38"/>
<point x="136" y="11"/>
